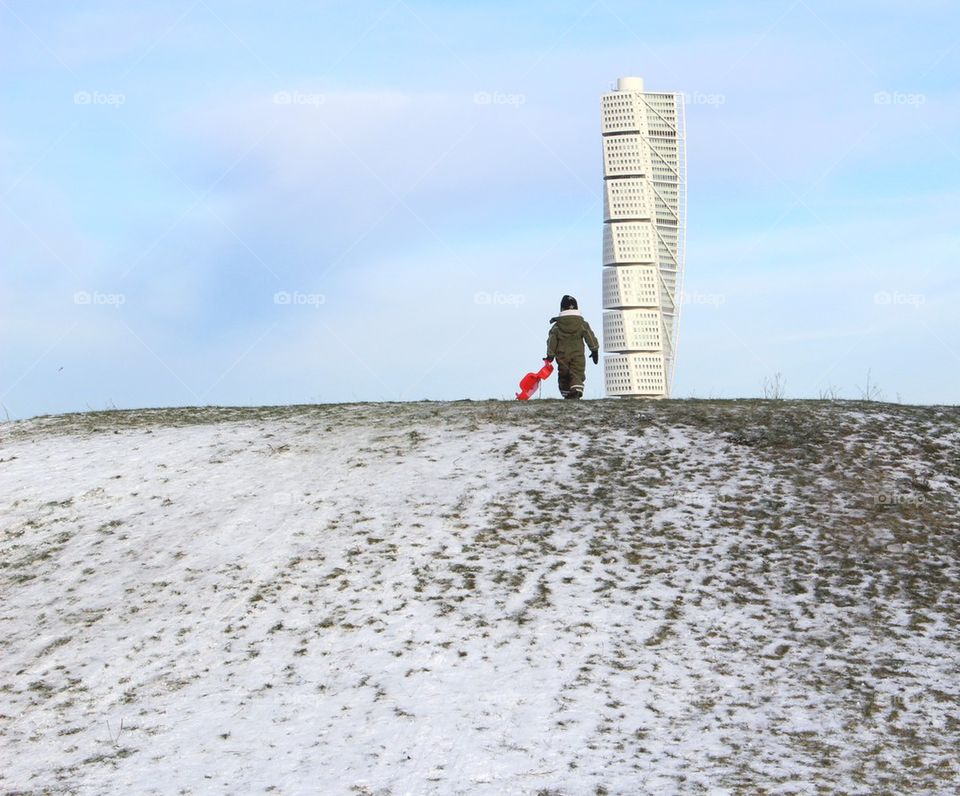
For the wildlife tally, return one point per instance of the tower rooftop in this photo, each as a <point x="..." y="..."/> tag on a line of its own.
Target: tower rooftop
<point x="630" y="84"/>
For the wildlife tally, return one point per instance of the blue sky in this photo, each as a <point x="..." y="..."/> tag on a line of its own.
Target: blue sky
<point x="171" y="172"/>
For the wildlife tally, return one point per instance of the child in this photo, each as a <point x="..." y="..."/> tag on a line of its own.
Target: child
<point x="565" y="342"/>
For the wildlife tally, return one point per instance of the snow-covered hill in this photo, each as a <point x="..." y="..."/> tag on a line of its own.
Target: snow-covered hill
<point x="482" y="598"/>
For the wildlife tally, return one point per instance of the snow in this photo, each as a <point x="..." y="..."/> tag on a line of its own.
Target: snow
<point x="476" y="598"/>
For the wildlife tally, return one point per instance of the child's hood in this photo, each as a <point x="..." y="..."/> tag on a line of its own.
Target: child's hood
<point x="568" y="319"/>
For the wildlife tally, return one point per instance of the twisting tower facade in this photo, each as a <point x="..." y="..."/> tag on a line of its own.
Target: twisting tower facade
<point x="644" y="221"/>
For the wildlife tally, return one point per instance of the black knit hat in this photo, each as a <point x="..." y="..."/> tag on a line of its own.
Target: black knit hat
<point x="568" y="303"/>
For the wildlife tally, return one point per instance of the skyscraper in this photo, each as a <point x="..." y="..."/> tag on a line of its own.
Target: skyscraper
<point x="644" y="221"/>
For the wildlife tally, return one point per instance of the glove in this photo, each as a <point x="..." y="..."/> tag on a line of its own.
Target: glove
<point x="595" y="356"/>
<point x="548" y="359"/>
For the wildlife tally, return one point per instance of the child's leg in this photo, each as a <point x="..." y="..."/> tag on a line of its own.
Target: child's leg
<point x="563" y="378"/>
<point x="577" y="375"/>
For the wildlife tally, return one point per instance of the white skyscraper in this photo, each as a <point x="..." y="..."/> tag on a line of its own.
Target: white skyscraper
<point x="644" y="221"/>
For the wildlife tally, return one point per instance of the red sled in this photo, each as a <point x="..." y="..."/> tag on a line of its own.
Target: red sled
<point x="530" y="383"/>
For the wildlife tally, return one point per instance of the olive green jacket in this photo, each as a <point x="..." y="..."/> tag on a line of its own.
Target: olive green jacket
<point x="568" y="334"/>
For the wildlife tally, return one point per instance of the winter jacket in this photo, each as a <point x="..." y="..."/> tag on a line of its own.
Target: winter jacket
<point x="568" y="334"/>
